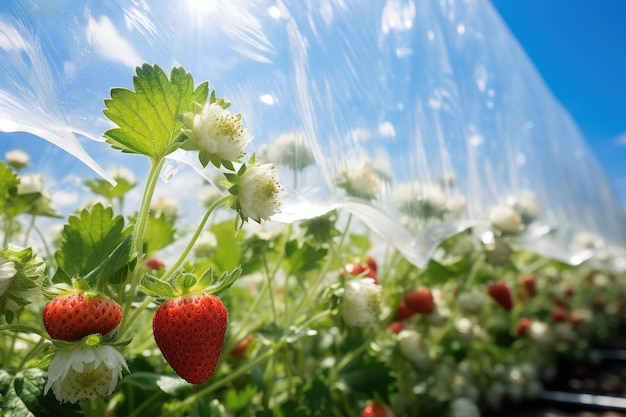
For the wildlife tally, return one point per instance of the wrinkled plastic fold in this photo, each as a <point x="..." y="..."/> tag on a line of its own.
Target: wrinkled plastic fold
<point x="418" y="117"/>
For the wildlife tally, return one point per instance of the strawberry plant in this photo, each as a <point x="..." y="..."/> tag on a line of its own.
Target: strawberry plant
<point x="238" y="301"/>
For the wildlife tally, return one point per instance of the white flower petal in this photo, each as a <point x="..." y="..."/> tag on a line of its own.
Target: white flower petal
<point x="84" y="372"/>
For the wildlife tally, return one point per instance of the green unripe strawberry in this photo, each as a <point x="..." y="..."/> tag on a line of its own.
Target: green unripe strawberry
<point x="74" y="316"/>
<point x="190" y="332"/>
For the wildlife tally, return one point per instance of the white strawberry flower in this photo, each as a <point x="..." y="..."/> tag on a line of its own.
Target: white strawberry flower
<point x="30" y="183"/>
<point x="471" y="302"/>
<point x="505" y="219"/>
<point x="464" y="407"/>
<point x="361" y="302"/>
<point x="166" y="207"/>
<point x="17" y="159"/>
<point x="526" y="206"/>
<point x="218" y="134"/>
<point x="288" y="149"/>
<point x="259" y="193"/>
<point x="362" y="179"/>
<point x="84" y="372"/>
<point x="413" y="347"/>
<point x="122" y="174"/>
<point x="7" y="272"/>
<point x="540" y="333"/>
<point x="467" y="330"/>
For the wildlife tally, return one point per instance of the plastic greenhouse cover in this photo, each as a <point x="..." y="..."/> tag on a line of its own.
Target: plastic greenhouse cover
<point x="416" y="116"/>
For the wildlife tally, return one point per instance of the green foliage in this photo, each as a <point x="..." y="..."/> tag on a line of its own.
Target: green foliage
<point x="8" y="184"/>
<point x="160" y="232"/>
<point x="149" y="118"/>
<point x="23" y="396"/>
<point x="302" y="258"/>
<point x="107" y="190"/>
<point x="87" y="240"/>
<point x="228" y="253"/>
<point x="367" y="376"/>
<point x="30" y="273"/>
<point x="113" y="268"/>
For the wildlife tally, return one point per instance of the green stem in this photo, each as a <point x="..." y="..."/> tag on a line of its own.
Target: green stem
<point x="93" y="408"/>
<point x="147" y="403"/>
<point x="46" y="247"/>
<point x="32" y="353"/>
<point x="126" y="325"/>
<point x="270" y="280"/>
<point x="144" y="208"/>
<point x="312" y="291"/>
<point x="194" y="238"/>
<point x="127" y="297"/>
<point x="30" y="228"/>
<point x="261" y="296"/>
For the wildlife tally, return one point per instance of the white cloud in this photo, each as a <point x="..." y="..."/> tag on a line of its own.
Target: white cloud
<point x="10" y="38"/>
<point x="386" y="129"/>
<point x="103" y="36"/>
<point x="65" y="199"/>
<point x="621" y="139"/>
<point x="360" y="134"/>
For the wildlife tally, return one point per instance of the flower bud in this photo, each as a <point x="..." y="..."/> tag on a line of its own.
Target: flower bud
<point x="361" y="302"/>
<point x="17" y="159"/>
<point x="505" y="219"/>
<point x="260" y="194"/>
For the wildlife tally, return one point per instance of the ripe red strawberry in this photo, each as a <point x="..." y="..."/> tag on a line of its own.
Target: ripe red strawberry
<point x="374" y="410"/>
<point x="240" y="349"/>
<point x="599" y="303"/>
<point x="371" y="262"/>
<point x="529" y="284"/>
<point x="421" y="300"/>
<point x="522" y="326"/>
<point x="404" y="312"/>
<point x="155" y="264"/>
<point x="575" y="318"/>
<point x="501" y="293"/>
<point x="396" y="327"/>
<point x="358" y="269"/>
<point x="190" y="332"/>
<point x="74" y="316"/>
<point x="559" y="315"/>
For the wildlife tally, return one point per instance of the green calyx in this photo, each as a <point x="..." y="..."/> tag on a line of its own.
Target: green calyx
<point x="93" y="340"/>
<point x="185" y="283"/>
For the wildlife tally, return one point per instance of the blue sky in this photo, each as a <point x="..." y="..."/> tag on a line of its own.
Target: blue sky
<point x="579" y="47"/>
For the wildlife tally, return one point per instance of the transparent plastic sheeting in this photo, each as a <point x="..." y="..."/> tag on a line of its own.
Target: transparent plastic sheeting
<point x="417" y="116"/>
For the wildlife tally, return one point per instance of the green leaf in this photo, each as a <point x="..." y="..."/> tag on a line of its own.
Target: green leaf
<point x="24" y="397"/>
<point x="318" y="397"/>
<point x="224" y="282"/>
<point x="228" y="253"/>
<point x="160" y="232"/>
<point x="111" y="265"/>
<point x="237" y="400"/>
<point x="367" y="376"/>
<point x="107" y="190"/>
<point x="149" y="118"/>
<point x="154" y="287"/>
<point x="8" y="184"/>
<point x="173" y="386"/>
<point x="302" y="258"/>
<point x="271" y="332"/>
<point x="87" y="240"/>
<point x="30" y="273"/>
<point x="214" y="409"/>
<point x="360" y="243"/>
